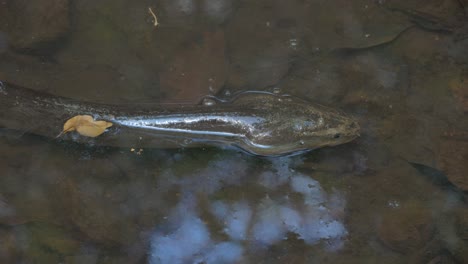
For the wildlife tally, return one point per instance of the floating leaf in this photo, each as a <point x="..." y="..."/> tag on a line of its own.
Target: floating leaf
<point x="86" y="126"/>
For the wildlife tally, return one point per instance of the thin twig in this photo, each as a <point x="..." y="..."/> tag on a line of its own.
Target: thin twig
<point x="154" y="16"/>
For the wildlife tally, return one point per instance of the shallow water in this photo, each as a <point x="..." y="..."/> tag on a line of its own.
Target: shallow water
<point x="395" y="195"/>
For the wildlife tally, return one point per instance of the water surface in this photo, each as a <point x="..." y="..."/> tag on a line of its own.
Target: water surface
<point x="395" y="195"/>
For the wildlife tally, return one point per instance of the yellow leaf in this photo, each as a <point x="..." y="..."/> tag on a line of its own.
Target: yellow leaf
<point x="86" y="126"/>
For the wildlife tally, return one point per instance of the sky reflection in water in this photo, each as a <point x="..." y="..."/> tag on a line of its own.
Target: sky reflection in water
<point x="185" y="236"/>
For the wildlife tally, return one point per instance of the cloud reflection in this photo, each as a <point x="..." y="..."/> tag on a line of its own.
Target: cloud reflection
<point x="236" y="218"/>
<point x="182" y="243"/>
<point x="187" y="238"/>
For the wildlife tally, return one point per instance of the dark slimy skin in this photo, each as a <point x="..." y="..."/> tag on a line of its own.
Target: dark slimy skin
<point x="260" y="123"/>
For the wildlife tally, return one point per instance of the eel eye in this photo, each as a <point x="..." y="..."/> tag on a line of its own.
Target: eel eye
<point x="338" y="135"/>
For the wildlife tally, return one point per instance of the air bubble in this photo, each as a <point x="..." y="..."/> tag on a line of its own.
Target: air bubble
<point x="208" y="102"/>
<point x="276" y="90"/>
<point x="2" y="88"/>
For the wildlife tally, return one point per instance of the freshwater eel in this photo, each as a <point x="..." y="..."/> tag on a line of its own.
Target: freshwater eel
<point x="261" y="123"/>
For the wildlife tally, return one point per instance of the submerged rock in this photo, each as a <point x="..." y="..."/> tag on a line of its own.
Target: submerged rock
<point x="33" y="25"/>
<point x="460" y="92"/>
<point x="458" y="241"/>
<point x="8" y="248"/>
<point x="461" y="222"/>
<point x="98" y="212"/>
<point x="452" y="157"/>
<point x="197" y="70"/>
<point x="407" y="229"/>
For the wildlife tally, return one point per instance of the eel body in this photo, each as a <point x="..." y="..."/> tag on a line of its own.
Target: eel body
<point x="260" y="123"/>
